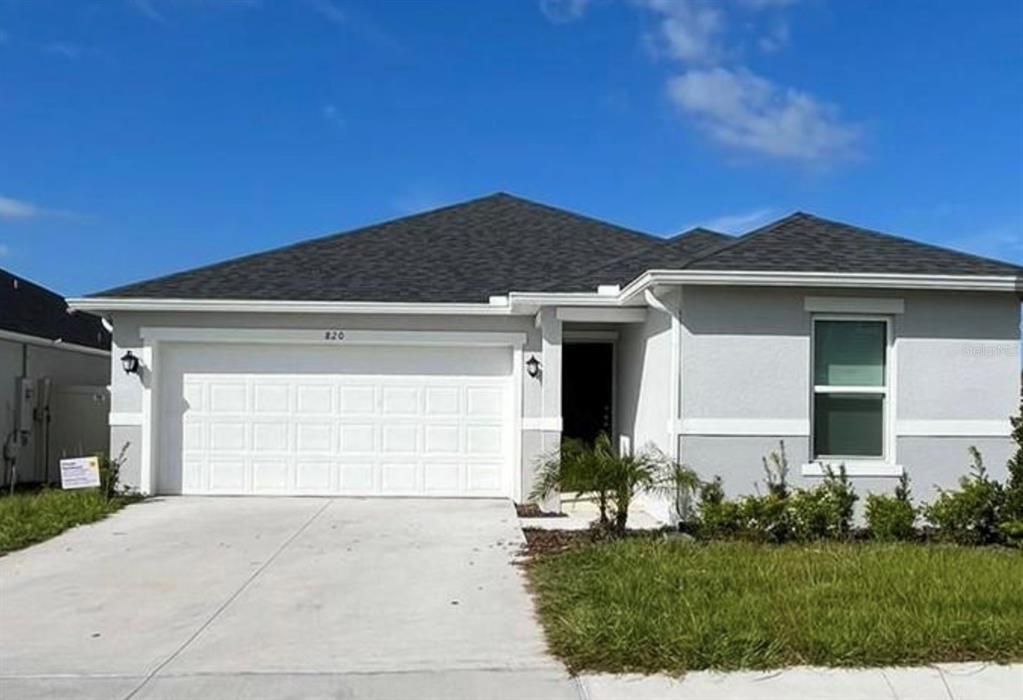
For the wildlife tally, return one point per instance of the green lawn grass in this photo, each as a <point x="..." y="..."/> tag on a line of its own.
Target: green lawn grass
<point x="654" y="605"/>
<point x="28" y="517"/>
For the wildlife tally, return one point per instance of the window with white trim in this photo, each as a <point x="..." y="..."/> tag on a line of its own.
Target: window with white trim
<point x="850" y="388"/>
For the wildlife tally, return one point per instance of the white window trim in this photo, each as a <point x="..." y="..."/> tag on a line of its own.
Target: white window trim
<point x="884" y="465"/>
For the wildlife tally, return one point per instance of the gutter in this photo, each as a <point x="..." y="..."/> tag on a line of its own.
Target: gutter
<point x="57" y="344"/>
<point x="525" y="303"/>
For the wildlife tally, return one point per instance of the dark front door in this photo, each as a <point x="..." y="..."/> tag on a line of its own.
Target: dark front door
<point x="587" y="379"/>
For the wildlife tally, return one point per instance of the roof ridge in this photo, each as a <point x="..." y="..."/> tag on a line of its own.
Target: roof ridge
<point x="636" y="254"/>
<point x="373" y="228"/>
<point x="602" y="222"/>
<point x="744" y="238"/>
<point x="368" y="228"/>
<point x="903" y="239"/>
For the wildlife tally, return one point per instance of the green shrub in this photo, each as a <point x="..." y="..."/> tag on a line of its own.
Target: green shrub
<point x="824" y="511"/>
<point x="764" y="518"/>
<point x="972" y="514"/>
<point x="1012" y="509"/>
<point x="110" y="472"/>
<point x="892" y="517"/>
<point x="718" y="517"/>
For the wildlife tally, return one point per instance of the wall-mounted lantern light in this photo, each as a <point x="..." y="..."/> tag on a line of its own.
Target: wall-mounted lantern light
<point x="130" y="363"/>
<point x="533" y="366"/>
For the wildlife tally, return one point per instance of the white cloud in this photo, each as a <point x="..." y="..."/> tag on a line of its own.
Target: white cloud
<point x="740" y="223"/>
<point x="688" y="30"/>
<point x="329" y="11"/>
<point x="148" y="10"/>
<point x="563" y="11"/>
<point x="766" y="4"/>
<point x="749" y="113"/>
<point x="333" y="115"/>
<point x="63" y="49"/>
<point x="776" y="39"/>
<point x="11" y="208"/>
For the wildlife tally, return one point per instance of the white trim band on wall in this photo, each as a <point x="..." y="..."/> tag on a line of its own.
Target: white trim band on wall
<point x="953" y="428"/>
<point x="121" y="418"/>
<point x="771" y="427"/>
<point x="331" y="336"/>
<point x="547" y="424"/>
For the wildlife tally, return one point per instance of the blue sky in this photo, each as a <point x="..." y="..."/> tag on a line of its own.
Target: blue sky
<point x="140" y="137"/>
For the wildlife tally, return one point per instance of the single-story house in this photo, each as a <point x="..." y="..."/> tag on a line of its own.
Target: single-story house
<point x="54" y="372"/>
<point x="440" y="354"/>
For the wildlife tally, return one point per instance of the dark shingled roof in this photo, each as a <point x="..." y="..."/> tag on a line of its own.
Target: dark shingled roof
<point x="500" y="243"/>
<point x="29" y="309"/>
<point x="671" y="253"/>
<point x="806" y="243"/>
<point x="462" y="253"/>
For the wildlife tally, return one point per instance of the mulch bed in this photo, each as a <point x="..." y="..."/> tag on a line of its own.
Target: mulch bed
<point x="532" y="510"/>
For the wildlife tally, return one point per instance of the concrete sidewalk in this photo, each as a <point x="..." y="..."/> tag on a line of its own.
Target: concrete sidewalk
<point x="941" y="682"/>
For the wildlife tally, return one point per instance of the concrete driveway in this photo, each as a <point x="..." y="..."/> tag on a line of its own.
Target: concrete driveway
<point x="281" y="598"/>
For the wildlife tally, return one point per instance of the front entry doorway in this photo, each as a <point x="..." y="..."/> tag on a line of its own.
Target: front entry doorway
<point x="587" y="390"/>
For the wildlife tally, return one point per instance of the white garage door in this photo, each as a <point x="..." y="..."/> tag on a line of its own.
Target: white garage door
<point x="354" y="420"/>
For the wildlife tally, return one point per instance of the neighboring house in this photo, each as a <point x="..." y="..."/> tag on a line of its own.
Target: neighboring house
<point x="399" y="359"/>
<point x="54" y="372"/>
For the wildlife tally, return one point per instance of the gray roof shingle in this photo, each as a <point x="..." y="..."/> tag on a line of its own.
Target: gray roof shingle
<point x="500" y="244"/>
<point x="462" y="253"/>
<point x="29" y="309"/>
<point x="803" y="242"/>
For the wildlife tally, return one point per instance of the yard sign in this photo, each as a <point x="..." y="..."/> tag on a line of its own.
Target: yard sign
<point x="79" y="473"/>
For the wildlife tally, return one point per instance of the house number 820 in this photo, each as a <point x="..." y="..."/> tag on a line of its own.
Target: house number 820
<point x="334" y="335"/>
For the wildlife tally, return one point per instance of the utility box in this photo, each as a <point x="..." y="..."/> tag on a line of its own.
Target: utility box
<point x="25" y="404"/>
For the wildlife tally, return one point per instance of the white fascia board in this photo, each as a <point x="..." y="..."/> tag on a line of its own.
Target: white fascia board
<point x="50" y="343"/>
<point x="531" y="302"/>
<point x="331" y="336"/>
<point x="111" y="305"/>
<point x="606" y="314"/>
<point x="758" y="278"/>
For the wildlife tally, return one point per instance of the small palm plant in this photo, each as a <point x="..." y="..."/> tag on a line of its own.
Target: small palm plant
<point x="576" y="466"/>
<point x="597" y="471"/>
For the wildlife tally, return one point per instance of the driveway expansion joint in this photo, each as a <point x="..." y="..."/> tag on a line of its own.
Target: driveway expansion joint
<point x="227" y="603"/>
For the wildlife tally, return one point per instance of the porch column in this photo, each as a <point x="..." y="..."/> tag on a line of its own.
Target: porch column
<point x="550" y="388"/>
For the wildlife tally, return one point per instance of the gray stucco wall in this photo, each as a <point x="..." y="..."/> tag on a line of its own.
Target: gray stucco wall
<point x="644" y="381"/>
<point x="65" y="368"/>
<point x="747" y="356"/>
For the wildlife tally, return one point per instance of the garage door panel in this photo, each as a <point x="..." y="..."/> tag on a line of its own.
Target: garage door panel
<point x="271" y="398"/>
<point x="399" y="478"/>
<point x="358" y="438"/>
<point x="433" y="423"/>
<point x="483" y="478"/>
<point x="443" y="401"/>
<point x="357" y="478"/>
<point x="270" y="476"/>
<point x="227" y="435"/>
<point x="227" y="475"/>
<point x="228" y="398"/>
<point x="314" y="399"/>
<point x="314" y="438"/>
<point x="484" y="401"/>
<point x="314" y="476"/>
<point x="270" y="437"/>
